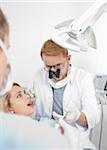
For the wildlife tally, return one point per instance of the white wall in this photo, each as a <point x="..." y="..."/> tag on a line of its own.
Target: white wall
<point x="32" y="23"/>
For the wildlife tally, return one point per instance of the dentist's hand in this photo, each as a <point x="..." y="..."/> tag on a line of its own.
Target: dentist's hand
<point x="71" y="116"/>
<point x="57" y="116"/>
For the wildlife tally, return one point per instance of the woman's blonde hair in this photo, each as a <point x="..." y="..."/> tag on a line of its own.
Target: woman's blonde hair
<point x="50" y="48"/>
<point x="5" y="100"/>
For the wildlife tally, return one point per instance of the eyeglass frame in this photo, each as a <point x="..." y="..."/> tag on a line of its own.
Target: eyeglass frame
<point x="57" y="66"/>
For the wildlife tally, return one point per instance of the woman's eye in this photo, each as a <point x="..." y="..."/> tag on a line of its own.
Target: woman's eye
<point x="19" y="95"/>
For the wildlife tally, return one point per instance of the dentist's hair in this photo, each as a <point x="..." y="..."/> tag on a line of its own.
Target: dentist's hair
<point x="4" y="26"/>
<point x="50" y="48"/>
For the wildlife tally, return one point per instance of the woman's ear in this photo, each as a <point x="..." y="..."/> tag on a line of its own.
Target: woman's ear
<point x="10" y="109"/>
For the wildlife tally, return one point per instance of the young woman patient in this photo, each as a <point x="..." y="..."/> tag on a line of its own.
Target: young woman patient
<point x="18" y="101"/>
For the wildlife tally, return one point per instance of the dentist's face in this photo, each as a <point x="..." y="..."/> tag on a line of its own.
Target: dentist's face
<point x="57" y="62"/>
<point x="4" y="66"/>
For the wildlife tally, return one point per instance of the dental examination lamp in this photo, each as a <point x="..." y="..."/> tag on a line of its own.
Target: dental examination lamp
<point x="77" y="35"/>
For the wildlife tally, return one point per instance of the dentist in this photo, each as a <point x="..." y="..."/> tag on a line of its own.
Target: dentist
<point x="65" y="91"/>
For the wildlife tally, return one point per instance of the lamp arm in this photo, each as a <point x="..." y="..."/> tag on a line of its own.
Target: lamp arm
<point x="78" y="34"/>
<point x="90" y="17"/>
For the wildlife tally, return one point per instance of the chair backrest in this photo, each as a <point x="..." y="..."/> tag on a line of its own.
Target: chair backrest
<point x="99" y="132"/>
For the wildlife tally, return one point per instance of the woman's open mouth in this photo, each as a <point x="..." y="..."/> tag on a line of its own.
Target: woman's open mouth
<point x="31" y="103"/>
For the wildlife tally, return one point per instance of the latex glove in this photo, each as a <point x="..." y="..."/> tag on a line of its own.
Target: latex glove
<point x="70" y="116"/>
<point x="57" y="116"/>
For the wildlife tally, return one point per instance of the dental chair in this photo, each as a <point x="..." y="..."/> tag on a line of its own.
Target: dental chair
<point x="99" y="132"/>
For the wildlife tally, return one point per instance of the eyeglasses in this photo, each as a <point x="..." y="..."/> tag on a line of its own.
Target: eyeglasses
<point x="57" y="66"/>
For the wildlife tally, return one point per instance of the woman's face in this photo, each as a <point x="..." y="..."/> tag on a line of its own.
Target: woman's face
<point x="21" y="103"/>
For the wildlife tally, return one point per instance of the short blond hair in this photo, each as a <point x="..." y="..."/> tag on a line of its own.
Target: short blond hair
<point x="50" y="48"/>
